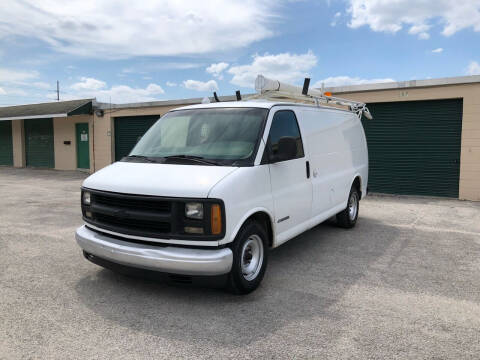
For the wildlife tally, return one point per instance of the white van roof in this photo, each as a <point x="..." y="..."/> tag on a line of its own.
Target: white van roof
<point x="253" y="104"/>
<point x="230" y="104"/>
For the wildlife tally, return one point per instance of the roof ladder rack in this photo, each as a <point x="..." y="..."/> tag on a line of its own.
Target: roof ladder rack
<point x="273" y="89"/>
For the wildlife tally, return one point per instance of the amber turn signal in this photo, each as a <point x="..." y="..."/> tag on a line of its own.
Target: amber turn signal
<point x="216" y="219"/>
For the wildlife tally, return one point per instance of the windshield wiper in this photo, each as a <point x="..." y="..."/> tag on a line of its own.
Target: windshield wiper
<point x="141" y="157"/>
<point x="198" y="159"/>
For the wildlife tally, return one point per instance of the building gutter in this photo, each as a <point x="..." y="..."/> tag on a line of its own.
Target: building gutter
<point x="180" y="102"/>
<point x="460" y="80"/>
<point x="46" y="116"/>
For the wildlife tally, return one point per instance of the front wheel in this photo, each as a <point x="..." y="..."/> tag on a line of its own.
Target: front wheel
<point x="250" y="253"/>
<point x="348" y="217"/>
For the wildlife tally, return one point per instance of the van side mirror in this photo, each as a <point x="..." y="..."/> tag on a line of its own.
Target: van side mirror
<point x="287" y="149"/>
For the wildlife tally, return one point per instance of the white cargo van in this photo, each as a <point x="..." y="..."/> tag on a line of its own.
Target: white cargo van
<point x="210" y="188"/>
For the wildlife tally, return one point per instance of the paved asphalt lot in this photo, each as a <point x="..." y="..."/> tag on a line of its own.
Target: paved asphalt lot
<point x="405" y="283"/>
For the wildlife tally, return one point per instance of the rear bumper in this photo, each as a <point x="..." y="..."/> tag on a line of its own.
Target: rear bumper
<point x="168" y="259"/>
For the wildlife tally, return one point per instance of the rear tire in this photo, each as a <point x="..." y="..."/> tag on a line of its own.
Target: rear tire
<point x="250" y="254"/>
<point x="348" y="217"/>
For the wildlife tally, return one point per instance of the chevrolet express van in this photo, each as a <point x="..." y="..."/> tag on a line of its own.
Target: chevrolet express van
<point x="211" y="188"/>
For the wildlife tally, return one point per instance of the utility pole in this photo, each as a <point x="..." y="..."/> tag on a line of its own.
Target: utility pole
<point x="58" y="91"/>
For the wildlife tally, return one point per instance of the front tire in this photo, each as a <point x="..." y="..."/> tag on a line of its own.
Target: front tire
<point x="250" y="254"/>
<point x="348" y="217"/>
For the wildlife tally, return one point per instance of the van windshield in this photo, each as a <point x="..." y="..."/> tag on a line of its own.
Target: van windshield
<point x="220" y="136"/>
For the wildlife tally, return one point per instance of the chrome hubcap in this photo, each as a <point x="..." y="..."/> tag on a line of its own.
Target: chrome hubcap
<point x="252" y="257"/>
<point x="353" y="206"/>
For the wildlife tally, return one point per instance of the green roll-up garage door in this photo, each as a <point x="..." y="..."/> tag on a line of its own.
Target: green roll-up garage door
<point x="39" y="150"/>
<point x="128" y="130"/>
<point x="6" y="145"/>
<point x="414" y="147"/>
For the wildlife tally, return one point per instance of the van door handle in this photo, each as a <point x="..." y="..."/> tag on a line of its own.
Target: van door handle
<point x="308" y="169"/>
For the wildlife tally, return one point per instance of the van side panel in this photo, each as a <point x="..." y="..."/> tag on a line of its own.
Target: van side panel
<point x="322" y="143"/>
<point x="245" y="193"/>
<point x="354" y="157"/>
<point x="336" y="147"/>
<point x="363" y="163"/>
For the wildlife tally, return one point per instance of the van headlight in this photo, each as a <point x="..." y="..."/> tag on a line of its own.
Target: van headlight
<point x="194" y="210"/>
<point x="86" y="198"/>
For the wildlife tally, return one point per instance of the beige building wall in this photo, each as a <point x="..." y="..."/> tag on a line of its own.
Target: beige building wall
<point x="64" y="130"/>
<point x="102" y="148"/>
<point x="104" y="130"/>
<point x="18" y="140"/>
<point x="469" y="185"/>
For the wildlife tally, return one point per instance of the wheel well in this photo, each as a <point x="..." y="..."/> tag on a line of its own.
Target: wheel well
<point x="357" y="183"/>
<point x="264" y="219"/>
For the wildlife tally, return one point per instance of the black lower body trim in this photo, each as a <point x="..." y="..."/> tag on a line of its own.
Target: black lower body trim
<point x="218" y="281"/>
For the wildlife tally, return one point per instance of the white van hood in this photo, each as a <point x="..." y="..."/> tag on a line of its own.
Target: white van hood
<point x="158" y="179"/>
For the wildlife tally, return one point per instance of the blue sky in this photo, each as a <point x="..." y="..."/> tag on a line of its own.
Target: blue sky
<point x="159" y="50"/>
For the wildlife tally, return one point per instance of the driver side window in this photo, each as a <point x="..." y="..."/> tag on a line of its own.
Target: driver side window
<point x="284" y="124"/>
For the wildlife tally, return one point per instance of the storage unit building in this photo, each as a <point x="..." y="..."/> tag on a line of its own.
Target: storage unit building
<point x="39" y="143"/>
<point x="6" y="144"/>
<point x="424" y="138"/>
<point x="43" y="135"/>
<point x="414" y="147"/>
<point x="129" y="130"/>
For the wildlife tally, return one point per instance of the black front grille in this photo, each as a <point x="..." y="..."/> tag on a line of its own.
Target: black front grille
<point x="133" y="224"/>
<point x="131" y="202"/>
<point x="147" y="216"/>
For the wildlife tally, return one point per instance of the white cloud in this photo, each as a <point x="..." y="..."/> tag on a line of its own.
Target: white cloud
<point x="122" y="28"/>
<point x="174" y="66"/>
<point x="335" y="19"/>
<point x="87" y="83"/>
<point x="94" y="88"/>
<point x="15" y="92"/>
<point x="147" y="68"/>
<point x="210" y="85"/>
<point x="12" y="76"/>
<point x="284" y="67"/>
<point x="420" y="30"/>
<point x="130" y="71"/>
<point x="42" y="85"/>
<point x="347" y="80"/>
<point x="155" y="89"/>
<point x="437" y="50"/>
<point x="19" y="82"/>
<point x="2" y="92"/>
<point x="217" y="69"/>
<point x="126" y="94"/>
<point x="418" y="15"/>
<point x="424" y="36"/>
<point x="171" y="83"/>
<point x="473" y="68"/>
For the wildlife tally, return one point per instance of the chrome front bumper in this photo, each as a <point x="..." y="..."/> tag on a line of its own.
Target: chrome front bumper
<point x="168" y="259"/>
